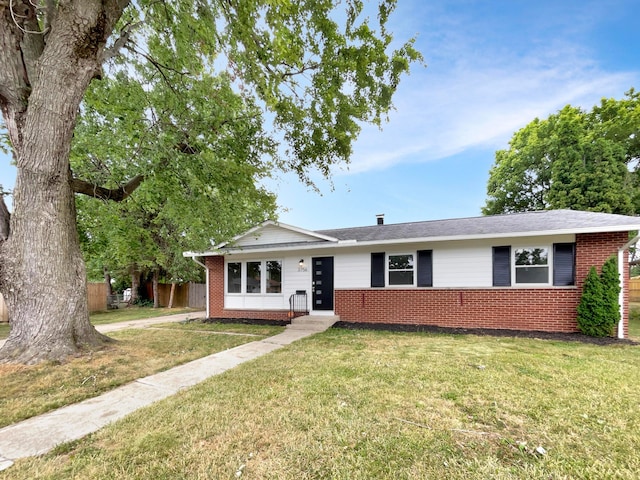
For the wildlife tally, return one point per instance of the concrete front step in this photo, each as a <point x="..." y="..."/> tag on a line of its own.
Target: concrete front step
<point x="313" y="322"/>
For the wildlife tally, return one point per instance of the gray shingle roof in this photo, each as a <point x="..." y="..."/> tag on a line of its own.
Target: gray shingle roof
<point x="513" y="223"/>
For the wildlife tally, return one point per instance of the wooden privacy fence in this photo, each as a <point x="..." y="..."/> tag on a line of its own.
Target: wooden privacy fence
<point x="97" y="296"/>
<point x="192" y="295"/>
<point x="634" y="289"/>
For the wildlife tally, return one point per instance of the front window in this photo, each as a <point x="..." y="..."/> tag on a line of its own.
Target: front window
<point x="401" y="269"/>
<point x="532" y="265"/>
<point x="253" y="277"/>
<point x="234" y="277"/>
<point x="274" y="276"/>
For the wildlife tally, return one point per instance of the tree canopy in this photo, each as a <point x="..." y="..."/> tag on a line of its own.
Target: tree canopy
<point x="189" y="79"/>
<point x="202" y="162"/>
<point x="573" y="159"/>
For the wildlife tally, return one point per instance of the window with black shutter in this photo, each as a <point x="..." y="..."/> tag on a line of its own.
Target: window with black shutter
<point x="564" y="264"/>
<point x="377" y="269"/>
<point x="425" y="268"/>
<point x="502" y="266"/>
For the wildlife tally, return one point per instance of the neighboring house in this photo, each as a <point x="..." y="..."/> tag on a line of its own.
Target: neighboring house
<point x="521" y="271"/>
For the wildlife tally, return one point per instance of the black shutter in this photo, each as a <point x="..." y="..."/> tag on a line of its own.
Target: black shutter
<point x="425" y="268"/>
<point x="377" y="269"/>
<point x="502" y="266"/>
<point x="564" y="264"/>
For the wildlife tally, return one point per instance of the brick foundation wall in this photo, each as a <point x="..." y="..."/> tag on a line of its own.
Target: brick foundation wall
<point x="548" y="309"/>
<point x="540" y="309"/>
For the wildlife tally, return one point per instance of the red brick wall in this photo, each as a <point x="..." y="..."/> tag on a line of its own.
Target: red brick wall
<point x="547" y="309"/>
<point x="215" y="267"/>
<point x="542" y="309"/>
<point x="593" y="250"/>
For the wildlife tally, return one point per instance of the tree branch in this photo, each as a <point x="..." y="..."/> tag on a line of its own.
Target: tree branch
<point x="125" y="35"/>
<point x="115" y="194"/>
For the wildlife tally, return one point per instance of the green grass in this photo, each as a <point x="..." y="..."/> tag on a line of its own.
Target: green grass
<point x="4" y="330"/>
<point x="239" y="328"/>
<point x="634" y="321"/>
<point x="362" y="405"/>
<point x="137" y="313"/>
<point x="32" y="390"/>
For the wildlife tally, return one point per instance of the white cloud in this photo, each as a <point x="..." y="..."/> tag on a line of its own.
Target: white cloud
<point x="475" y="93"/>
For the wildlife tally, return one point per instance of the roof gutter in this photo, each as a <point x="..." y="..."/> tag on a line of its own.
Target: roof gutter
<point x="622" y="276"/>
<point x="194" y="257"/>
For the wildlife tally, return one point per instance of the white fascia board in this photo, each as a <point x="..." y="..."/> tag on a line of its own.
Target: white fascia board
<point x="306" y="232"/>
<point x="280" y="225"/>
<point x="248" y="232"/>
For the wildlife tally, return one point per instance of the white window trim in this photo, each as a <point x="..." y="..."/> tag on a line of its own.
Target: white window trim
<point x="549" y="265"/>
<point x="243" y="277"/>
<point x="387" y="270"/>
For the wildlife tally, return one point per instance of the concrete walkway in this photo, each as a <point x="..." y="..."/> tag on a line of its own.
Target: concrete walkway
<point x="40" y="434"/>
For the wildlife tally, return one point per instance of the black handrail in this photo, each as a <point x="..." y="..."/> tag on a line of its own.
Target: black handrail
<point x="298" y="304"/>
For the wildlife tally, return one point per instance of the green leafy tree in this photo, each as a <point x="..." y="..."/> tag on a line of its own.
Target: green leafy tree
<point x="320" y="69"/>
<point x="573" y="159"/>
<point x="204" y="162"/>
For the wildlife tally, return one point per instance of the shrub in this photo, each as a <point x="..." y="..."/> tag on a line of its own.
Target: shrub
<point x="610" y="279"/>
<point x="598" y="311"/>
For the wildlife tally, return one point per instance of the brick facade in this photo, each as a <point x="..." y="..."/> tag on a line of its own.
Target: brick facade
<point x="536" y="309"/>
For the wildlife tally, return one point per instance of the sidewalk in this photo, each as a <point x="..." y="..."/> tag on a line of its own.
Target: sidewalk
<point x="40" y="434"/>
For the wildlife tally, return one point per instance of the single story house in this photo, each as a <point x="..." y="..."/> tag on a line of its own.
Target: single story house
<point x="520" y="271"/>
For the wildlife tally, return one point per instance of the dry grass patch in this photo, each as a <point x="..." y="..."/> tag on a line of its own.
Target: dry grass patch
<point x="362" y="405"/>
<point x="123" y="315"/>
<point x="32" y="390"/>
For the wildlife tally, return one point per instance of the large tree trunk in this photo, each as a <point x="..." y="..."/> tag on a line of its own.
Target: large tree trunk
<point x="135" y="286"/>
<point x="47" y="295"/>
<point x="42" y="274"/>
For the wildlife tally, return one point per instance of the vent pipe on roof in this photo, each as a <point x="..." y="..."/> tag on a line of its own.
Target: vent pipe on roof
<point x="380" y="218"/>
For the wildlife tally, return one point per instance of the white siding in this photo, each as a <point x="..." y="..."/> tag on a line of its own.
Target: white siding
<point x="463" y="265"/>
<point x="272" y="234"/>
<point x="457" y="264"/>
<point x="352" y="270"/>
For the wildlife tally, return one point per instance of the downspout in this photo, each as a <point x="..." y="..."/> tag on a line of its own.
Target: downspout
<point x="206" y="271"/>
<point x="622" y="275"/>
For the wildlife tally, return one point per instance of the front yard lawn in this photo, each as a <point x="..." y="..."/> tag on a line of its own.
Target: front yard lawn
<point x="32" y="390"/>
<point x="362" y="404"/>
<point x="123" y="315"/>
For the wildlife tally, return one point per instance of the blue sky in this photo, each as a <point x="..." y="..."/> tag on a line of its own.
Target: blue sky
<point x="492" y="67"/>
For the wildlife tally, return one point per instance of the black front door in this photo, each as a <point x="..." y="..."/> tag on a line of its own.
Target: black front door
<point x="322" y="286"/>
